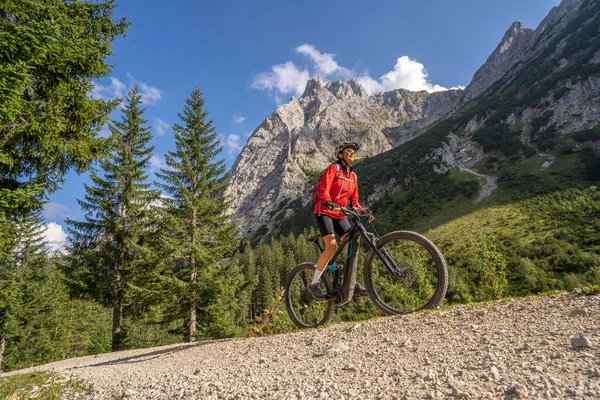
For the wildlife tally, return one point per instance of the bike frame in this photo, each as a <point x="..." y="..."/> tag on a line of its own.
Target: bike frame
<point x="352" y="239"/>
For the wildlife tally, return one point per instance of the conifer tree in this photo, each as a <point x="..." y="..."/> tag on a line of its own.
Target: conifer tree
<point x="37" y="328"/>
<point x="51" y="51"/>
<point x="41" y="312"/>
<point x="202" y="233"/>
<point x="248" y="261"/>
<point x="278" y="254"/>
<point x="29" y="237"/>
<point x="27" y="248"/>
<point x="264" y="291"/>
<point x="111" y="258"/>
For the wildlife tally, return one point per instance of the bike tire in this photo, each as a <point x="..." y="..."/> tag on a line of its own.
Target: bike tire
<point x="303" y="309"/>
<point x="425" y="278"/>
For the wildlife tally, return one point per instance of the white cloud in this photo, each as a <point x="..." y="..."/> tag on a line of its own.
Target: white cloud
<point x="233" y="143"/>
<point x="287" y="78"/>
<point x="161" y="126"/>
<point x="55" y="237"/>
<point x="238" y="118"/>
<point x="406" y="74"/>
<point x="55" y="210"/>
<point x="161" y="201"/>
<point x="150" y="94"/>
<point x="324" y="63"/>
<point x="157" y="163"/>
<point x="115" y="89"/>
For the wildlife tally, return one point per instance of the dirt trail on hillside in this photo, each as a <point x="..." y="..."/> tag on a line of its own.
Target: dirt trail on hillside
<point x="536" y="347"/>
<point x="491" y="184"/>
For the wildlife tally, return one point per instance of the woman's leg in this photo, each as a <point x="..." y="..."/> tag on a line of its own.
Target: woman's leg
<point x="325" y="225"/>
<point x="330" y="246"/>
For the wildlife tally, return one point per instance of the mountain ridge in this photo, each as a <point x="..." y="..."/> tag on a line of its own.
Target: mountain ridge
<point x="520" y="101"/>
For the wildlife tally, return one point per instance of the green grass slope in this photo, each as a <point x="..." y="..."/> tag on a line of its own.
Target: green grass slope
<point x="544" y="243"/>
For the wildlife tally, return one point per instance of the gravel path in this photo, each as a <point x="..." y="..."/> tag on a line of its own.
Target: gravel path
<point x="536" y="347"/>
<point x="491" y="184"/>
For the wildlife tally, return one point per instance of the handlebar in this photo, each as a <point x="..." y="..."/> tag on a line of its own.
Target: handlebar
<point x="355" y="213"/>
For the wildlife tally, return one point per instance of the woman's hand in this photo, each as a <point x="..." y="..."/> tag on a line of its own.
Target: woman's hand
<point x="332" y="206"/>
<point x="369" y="214"/>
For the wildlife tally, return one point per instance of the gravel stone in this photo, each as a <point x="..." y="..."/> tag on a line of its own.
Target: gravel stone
<point x="579" y="311"/>
<point x="581" y="341"/>
<point x="439" y="354"/>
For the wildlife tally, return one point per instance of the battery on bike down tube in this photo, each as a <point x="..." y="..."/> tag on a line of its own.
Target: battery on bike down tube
<point x="333" y="267"/>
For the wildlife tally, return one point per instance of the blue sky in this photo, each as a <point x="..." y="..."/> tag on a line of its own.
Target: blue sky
<point x="248" y="57"/>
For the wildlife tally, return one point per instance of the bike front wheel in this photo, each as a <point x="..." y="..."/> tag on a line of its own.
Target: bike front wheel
<point x="304" y="310"/>
<point x="418" y="278"/>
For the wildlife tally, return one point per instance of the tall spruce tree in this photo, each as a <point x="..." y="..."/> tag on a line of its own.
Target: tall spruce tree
<point x="202" y="233"/>
<point x="49" y="52"/>
<point x="111" y="257"/>
<point x="29" y="237"/>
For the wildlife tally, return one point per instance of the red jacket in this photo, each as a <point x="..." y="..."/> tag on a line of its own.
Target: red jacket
<point x="339" y="187"/>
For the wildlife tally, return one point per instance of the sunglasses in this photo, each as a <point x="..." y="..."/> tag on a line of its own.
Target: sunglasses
<point x="349" y="151"/>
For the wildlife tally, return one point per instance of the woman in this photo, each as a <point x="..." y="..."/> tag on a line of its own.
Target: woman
<point x="337" y="186"/>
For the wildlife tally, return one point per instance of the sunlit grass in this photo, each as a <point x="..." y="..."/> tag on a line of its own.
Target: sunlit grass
<point x="41" y="385"/>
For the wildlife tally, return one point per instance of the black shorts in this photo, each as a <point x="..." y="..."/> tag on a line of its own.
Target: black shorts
<point x="328" y="225"/>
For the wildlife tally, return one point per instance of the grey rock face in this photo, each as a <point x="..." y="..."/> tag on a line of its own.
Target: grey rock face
<point x="513" y="47"/>
<point x="576" y="110"/>
<point x="457" y="152"/>
<point x="430" y="108"/>
<point x="298" y="139"/>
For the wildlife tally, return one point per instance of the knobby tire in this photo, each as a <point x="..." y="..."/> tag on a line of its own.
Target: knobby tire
<point x="425" y="274"/>
<point x="303" y="310"/>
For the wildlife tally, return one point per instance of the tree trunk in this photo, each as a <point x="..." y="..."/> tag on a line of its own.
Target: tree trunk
<point x="2" y="348"/>
<point x="116" y="327"/>
<point x="193" y="279"/>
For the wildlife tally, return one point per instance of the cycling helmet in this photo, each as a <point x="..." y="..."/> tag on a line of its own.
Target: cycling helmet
<point x="344" y="145"/>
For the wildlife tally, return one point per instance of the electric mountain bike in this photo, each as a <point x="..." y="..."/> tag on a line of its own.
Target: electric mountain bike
<point x="403" y="272"/>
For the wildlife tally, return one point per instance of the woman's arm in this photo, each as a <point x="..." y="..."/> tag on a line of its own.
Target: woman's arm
<point x="354" y="197"/>
<point x="326" y="181"/>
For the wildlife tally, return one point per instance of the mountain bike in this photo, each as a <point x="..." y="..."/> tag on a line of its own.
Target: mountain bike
<point x="403" y="272"/>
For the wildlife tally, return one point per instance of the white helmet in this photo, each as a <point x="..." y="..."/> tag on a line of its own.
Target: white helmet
<point x="345" y="145"/>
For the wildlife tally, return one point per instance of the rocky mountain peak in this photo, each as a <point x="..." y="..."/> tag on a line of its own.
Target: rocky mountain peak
<point x="517" y="43"/>
<point x="312" y="87"/>
<point x="357" y="88"/>
<point x="513" y="47"/>
<point x="296" y="141"/>
<point x="344" y="90"/>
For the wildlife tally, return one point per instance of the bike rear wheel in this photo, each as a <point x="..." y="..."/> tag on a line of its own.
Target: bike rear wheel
<point x="420" y="278"/>
<point x="304" y="310"/>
